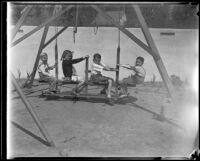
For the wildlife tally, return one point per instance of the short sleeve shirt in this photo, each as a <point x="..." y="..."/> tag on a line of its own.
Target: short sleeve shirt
<point x="96" y="68"/>
<point x="140" y="71"/>
<point x="43" y="68"/>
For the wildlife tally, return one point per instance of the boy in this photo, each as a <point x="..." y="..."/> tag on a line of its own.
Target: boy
<point x="43" y="71"/>
<point x="96" y="76"/>
<point x="137" y="78"/>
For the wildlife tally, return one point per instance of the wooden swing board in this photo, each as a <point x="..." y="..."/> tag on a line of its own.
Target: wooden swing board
<point x="81" y="96"/>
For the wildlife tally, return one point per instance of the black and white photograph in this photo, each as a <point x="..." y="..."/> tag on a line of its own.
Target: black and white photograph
<point x="102" y="79"/>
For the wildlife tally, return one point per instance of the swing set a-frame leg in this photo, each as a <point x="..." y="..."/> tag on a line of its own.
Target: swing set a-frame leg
<point x="20" y="22"/>
<point x="156" y="56"/>
<point x="32" y="112"/>
<point x="29" y="83"/>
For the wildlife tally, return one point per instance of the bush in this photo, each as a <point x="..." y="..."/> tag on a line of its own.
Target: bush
<point x="176" y="81"/>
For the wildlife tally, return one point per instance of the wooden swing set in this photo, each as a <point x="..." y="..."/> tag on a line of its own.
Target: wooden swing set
<point x="150" y="48"/>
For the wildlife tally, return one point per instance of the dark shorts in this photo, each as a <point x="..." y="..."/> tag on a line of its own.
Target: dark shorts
<point x="100" y="79"/>
<point x="133" y="79"/>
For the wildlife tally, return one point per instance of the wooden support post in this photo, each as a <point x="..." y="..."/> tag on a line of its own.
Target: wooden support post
<point x="20" y="21"/>
<point x="86" y="74"/>
<point x="38" y="56"/>
<point x="47" y="22"/>
<point x="125" y="31"/>
<point x="56" y="59"/>
<point x="32" y="112"/>
<point x="156" y="56"/>
<point x="55" y="36"/>
<point x="117" y="66"/>
<point x="118" y="59"/>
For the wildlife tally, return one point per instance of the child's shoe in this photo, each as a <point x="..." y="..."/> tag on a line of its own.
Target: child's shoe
<point x="110" y="101"/>
<point x="75" y="92"/>
<point x="103" y="92"/>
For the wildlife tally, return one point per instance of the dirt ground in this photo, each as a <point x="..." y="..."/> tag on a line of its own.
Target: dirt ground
<point x="148" y="125"/>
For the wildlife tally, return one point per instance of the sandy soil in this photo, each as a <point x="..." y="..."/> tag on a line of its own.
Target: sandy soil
<point x="150" y="124"/>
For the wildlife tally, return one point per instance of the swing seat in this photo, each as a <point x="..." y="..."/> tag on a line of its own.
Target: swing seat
<point x="82" y="96"/>
<point x="69" y="82"/>
<point x="90" y="83"/>
<point x="42" y="81"/>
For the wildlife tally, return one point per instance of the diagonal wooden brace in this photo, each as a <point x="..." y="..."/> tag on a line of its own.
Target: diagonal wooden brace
<point x="20" y="21"/>
<point x="47" y="22"/>
<point x="156" y="55"/>
<point x="32" y="112"/>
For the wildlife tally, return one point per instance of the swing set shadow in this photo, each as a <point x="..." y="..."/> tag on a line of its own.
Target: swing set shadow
<point x="159" y="117"/>
<point x="30" y="133"/>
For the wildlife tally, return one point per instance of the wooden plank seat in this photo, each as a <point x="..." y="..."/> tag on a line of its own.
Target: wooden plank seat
<point x="90" y="83"/>
<point x="69" y="82"/>
<point x="81" y="96"/>
<point x="89" y="97"/>
<point x="60" y="82"/>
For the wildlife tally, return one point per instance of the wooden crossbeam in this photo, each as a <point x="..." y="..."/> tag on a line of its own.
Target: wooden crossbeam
<point x="55" y="36"/>
<point x="20" y="21"/>
<point x="47" y="22"/>
<point x="38" y="55"/>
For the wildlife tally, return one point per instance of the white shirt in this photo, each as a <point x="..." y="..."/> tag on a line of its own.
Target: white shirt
<point x="140" y="71"/>
<point x="96" y="68"/>
<point x="43" y="68"/>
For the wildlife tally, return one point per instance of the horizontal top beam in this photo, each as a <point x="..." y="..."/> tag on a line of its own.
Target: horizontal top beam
<point x="157" y="16"/>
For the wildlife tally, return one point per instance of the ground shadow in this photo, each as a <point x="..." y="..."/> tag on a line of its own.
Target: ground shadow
<point x="90" y="98"/>
<point x="31" y="134"/>
<point x="159" y="117"/>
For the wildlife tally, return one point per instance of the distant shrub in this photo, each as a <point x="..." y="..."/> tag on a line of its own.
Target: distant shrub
<point x="19" y="73"/>
<point x="153" y="79"/>
<point x="176" y="81"/>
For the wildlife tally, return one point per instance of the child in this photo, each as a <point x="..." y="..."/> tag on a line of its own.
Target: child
<point x="43" y="71"/>
<point x="69" y="70"/>
<point x="137" y="78"/>
<point x="96" y="76"/>
<point x="67" y="64"/>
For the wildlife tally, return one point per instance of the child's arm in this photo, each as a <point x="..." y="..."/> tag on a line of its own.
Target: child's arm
<point x="74" y="61"/>
<point x="107" y="68"/>
<point x="51" y="67"/>
<point x="41" y="70"/>
<point x="127" y="66"/>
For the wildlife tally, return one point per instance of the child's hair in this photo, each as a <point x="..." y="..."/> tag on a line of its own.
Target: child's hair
<point x="43" y="54"/>
<point x="97" y="55"/>
<point x="65" y="53"/>
<point x="140" y="58"/>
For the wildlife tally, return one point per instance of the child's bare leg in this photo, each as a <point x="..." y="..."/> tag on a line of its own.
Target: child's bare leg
<point x="80" y="86"/>
<point x="109" y="88"/>
<point x="103" y="91"/>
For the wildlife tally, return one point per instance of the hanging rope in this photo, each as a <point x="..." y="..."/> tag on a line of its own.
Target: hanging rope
<point x="76" y="23"/>
<point x="95" y="28"/>
<point x="118" y="59"/>
<point x="57" y="8"/>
